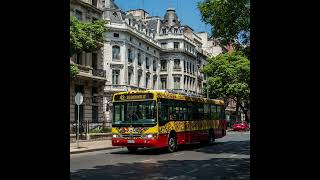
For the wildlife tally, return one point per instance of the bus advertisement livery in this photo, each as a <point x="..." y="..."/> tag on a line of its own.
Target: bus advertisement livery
<point x="163" y="119"/>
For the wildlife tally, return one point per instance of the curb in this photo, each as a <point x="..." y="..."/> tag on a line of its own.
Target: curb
<point x="91" y="150"/>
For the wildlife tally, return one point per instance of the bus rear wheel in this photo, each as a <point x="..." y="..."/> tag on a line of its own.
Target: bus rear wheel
<point x="172" y="143"/>
<point x="132" y="149"/>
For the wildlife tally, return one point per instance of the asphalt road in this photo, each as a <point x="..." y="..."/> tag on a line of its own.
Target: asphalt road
<point x="227" y="158"/>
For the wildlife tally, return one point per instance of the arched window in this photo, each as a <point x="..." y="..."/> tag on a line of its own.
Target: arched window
<point x="116" y="52"/>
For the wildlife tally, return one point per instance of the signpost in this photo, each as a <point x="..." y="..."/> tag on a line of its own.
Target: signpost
<point x="79" y="101"/>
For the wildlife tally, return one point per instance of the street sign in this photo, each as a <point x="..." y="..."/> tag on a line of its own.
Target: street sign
<point x="79" y="98"/>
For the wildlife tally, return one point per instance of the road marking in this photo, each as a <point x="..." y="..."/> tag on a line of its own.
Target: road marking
<point x="178" y="154"/>
<point x="233" y="155"/>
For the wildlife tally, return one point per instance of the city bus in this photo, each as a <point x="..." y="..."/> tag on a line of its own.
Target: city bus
<point x="164" y="119"/>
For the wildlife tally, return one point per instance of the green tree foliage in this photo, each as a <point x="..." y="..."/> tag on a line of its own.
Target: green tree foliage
<point x="85" y="36"/>
<point x="229" y="19"/>
<point x="229" y="77"/>
<point x="74" y="70"/>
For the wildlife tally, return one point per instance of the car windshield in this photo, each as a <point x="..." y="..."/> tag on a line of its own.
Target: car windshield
<point x="134" y="112"/>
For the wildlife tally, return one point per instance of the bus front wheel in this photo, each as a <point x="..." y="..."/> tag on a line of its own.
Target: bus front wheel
<point x="172" y="143"/>
<point x="132" y="149"/>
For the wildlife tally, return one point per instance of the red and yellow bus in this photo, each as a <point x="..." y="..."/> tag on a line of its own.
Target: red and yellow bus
<point x="162" y="119"/>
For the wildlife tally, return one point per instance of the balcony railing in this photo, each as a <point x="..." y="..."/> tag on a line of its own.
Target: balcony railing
<point x="83" y="68"/>
<point x="99" y="73"/>
<point x="163" y="69"/>
<point x="90" y="71"/>
<point x="177" y="68"/>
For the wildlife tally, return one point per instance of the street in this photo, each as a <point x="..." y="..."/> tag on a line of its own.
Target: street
<point x="227" y="158"/>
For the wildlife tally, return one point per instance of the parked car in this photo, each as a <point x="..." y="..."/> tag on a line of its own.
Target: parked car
<point x="241" y="126"/>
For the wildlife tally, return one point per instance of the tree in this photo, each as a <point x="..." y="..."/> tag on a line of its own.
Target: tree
<point x="230" y="19"/>
<point x="85" y="36"/>
<point x="74" y="70"/>
<point x="229" y="78"/>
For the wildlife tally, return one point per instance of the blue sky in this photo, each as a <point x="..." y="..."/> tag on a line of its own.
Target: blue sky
<point x="186" y="9"/>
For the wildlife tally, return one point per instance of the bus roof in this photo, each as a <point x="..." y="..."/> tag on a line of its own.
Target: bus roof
<point x="173" y="95"/>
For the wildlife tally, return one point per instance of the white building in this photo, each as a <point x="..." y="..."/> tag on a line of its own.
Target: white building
<point x="148" y="52"/>
<point x="182" y="56"/>
<point x="131" y="53"/>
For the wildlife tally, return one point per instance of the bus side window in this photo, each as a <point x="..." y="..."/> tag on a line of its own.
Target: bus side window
<point x="163" y="110"/>
<point x="201" y="111"/>
<point x="213" y="111"/>
<point x="206" y="111"/>
<point x="190" y="111"/>
<point x="195" y="110"/>
<point x="184" y="110"/>
<point x="219" y="112"/>
<point x="171" y="110"/>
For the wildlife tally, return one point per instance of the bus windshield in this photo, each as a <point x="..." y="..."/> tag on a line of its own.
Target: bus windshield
<point x="134" y="113"/>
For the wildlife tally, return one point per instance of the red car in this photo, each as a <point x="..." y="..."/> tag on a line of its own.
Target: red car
<point x="241" y="126"/>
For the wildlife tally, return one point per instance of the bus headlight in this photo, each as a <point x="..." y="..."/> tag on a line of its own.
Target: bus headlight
<point x="115" y="136"/>
<point x="150" y="136"/>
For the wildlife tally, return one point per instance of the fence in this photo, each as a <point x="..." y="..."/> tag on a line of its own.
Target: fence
<point x="96" y="130"/>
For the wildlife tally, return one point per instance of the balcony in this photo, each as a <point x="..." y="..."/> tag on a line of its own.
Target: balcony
<point x="163" y="70"/>
<point x="89" y="72"/>
<point x="177" y="68"/>
<point x="179" y="50"/>
<point x="99" y="73"/>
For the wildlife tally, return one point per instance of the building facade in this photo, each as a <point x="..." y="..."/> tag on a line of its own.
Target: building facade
<point x="131" y="54"/>
<point x="92" y="77"/>
<point x="140" y="52"/>
<point x="149" y="52"/>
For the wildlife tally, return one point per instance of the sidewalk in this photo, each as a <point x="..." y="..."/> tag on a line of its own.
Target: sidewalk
<point x="88" y="146"/>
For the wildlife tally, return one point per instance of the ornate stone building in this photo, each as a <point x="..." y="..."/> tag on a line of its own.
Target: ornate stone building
<point x="147" y="52"/>
<point x="92" y="77"/>
<point x="131" y="53"/>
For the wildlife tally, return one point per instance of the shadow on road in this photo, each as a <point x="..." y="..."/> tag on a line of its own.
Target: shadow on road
<point x="215" y="168"/>
<point x="231" y="147"/>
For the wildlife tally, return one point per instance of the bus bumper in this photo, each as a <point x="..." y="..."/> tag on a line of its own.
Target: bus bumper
<point x="137" y="142"/>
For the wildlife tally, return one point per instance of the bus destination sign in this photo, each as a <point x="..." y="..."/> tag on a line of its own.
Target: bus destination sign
<point x="128" y="97"/>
